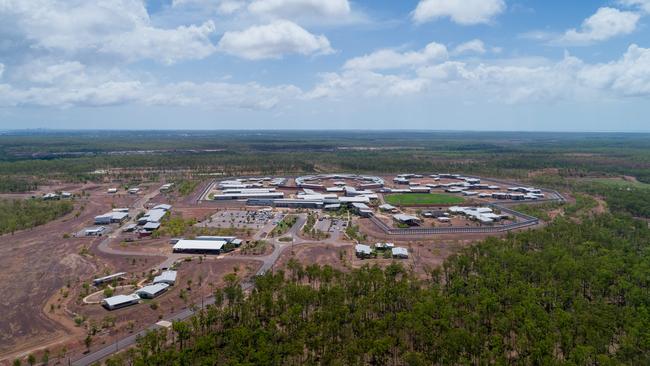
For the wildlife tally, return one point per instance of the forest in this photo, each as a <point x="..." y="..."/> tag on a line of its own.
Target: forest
<point x="572" y="293"/>
<point x="74" y="156"/>
<point x="25" y="214"/>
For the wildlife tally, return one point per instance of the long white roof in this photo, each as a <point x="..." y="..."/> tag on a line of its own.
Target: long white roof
<point x="120" y="299"/>
<point x="152" y="290"/>
<point x="184" y="244"/>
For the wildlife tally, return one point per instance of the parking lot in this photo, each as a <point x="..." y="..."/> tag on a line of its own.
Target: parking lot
<point x="243" y="219"/>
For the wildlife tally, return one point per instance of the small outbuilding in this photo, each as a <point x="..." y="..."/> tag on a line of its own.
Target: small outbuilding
<point x="399" y="252"/>
<point x="363" y="251"/>
<point x="407" y="219"/>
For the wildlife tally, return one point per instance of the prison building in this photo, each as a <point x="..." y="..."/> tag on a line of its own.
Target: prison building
<point x="152" y="291"/>
<point x="120" y="301"/>
<point x="407" y="219"/>
<point x="388" y="208"/>
<point x="109" y="278"/>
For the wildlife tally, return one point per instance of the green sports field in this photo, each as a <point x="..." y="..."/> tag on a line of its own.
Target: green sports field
<point x="406" y="199"/>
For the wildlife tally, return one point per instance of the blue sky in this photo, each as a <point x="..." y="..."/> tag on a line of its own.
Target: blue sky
<point x="326" y="64"/>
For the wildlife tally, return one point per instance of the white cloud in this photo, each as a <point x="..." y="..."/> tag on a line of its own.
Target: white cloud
<point x="473" y="46"/>
<point x="300" y="8"/>
<point x="165" y="45"/>
<point x="628" y="76"/>
<point x="641" y="4"/>
<point x="71" y="84"/>
<point x="273" y="40"/>
<point x="120" y="28"/>
<point x="230" y="6"/>
<point x="2" y="69"/>
<point x="465" y="12"/>
<point x="365" y="83"/>
<point x="606" y="23"/>
<point x="390" y="59"/>
<point x="501" y="81"/>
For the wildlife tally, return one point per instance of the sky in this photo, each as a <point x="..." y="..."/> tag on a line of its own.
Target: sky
<point x="517" y="65"/>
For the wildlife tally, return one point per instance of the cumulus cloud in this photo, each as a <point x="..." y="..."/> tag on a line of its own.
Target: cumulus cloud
<point x="69" y="84"/>
<point x="500" y="81"/>
<point x="474" y="46"/>
<point x="120" y="28"/>
<point x="300" y="8"/>
<point x="641" y="4"/>
<point x="628" y="76"/>
<point x="365" y="83"/>
<point x="273" y="40"/>
<point x="606" y="23"/>
<point x="390" y="59"/>
<point x="2" y="69"/>
<point x="465" y="12"/>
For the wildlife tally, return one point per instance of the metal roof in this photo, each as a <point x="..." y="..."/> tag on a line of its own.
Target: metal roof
<point x="403" y="217"/>
<point x="199" y="244"/>
<point x="165" y="276"/>
<point x="120" y="299"/>
<point x="151" y="226"/>
<point x="362" y="248"/>
<point x="109" y="277"/>
<point x="399" y="251"/>
<point x="152" y="290"/>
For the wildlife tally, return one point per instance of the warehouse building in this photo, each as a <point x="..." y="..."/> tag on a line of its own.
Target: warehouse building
<point x="120" y="301"/>
<point x="199" y="246"/>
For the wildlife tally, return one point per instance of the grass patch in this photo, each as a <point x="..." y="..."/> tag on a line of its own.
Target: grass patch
<point x="406" y="199"/>
<point x="284" y="225"/>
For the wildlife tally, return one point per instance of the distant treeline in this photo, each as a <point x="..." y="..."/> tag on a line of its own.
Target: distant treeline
<point x="571" y="293"/>
<point x="73" y="156"/>
<point x="25" y="214"/>
<point x="10" y="184"/>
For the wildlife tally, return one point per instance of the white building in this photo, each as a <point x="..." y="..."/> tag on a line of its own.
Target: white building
<point x="152" y="291"/>
<point x="199" y="246"/>
<point x="399" y="252"/>
<point x="120" y="301"/>
<point x="362" y="250"/>
<point x="167" y="277"/>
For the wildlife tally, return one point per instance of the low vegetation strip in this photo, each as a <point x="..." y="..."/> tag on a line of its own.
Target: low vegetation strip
<point x="406" y="199"/>
<point x="284" y="225"/>
<point x="25" y="214"/>
<point x="560" y="295"/>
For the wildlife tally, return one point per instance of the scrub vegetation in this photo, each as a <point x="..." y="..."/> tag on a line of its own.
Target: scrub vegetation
<point x="26" y="214"/>
<point x="566" y="294"/>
